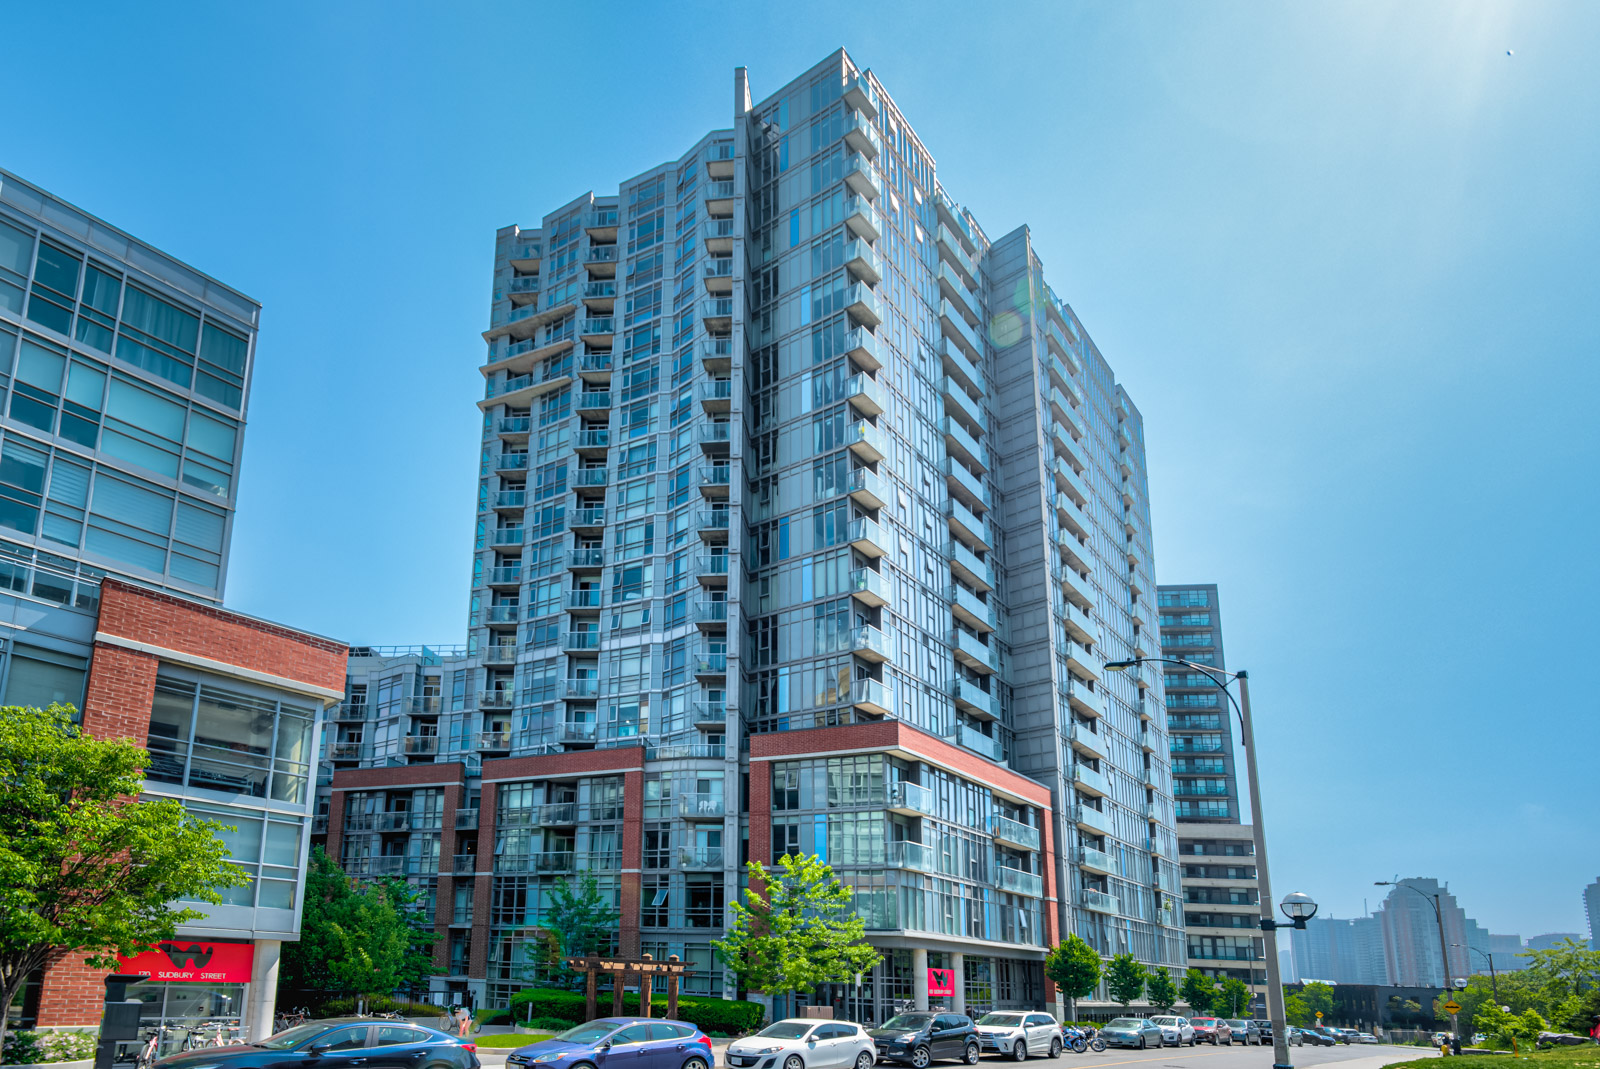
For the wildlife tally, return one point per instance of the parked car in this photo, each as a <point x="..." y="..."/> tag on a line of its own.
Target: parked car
<point x="1367" y="1037"/>
<point x="1246" y="1032"/>
<point x="801" y="1043"/>
<point x="662" y="1044"/>
<point x="1264" y="1030"/>
<point x="339" y="1043"/>
<point x="1132" y="1032"/>
<point x="1212" y="1030"/>
<point x="1335" y="1035"/>
<point x="1315" y="1037"/>
<point x="919" y="1038"/>
<point x="1292" y="1036"/>
<point x="1019" y="1034"/>
<point x="1174" y="1030"/>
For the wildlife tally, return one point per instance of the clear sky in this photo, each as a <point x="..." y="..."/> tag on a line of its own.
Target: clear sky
<point x="1342" y="255"/>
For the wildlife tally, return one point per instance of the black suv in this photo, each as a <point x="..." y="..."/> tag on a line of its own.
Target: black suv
<point x="919" y="1038"/>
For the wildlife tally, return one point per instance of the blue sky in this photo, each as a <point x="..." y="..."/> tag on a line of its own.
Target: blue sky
<point x="1342" y="255"/>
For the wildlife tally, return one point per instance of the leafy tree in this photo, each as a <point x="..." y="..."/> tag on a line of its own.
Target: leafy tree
<point x="1296" y="1011"/>
<point x="86" y="867"/>
<point x="1162" y="991"/>
<point x="1199" y="991"/>
<point x="1074" y="967"/>
<point x="1504" y="1029"/>
<point x="417" y="965"/>
<point x="1125" y="979"/>
<point x="355" y="936"/>
<point x="1318" y="998"/>
<point x="796" y="929"/>
<point x="580" y="922"/>
<point x="1233" y="997"/>
<point x="1565" y="970"/>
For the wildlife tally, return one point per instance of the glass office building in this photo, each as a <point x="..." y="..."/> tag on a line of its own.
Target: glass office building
<point x="807" y="518"/>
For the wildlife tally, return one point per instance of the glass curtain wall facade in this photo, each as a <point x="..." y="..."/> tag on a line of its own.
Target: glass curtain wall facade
<point x="776" y="441"/>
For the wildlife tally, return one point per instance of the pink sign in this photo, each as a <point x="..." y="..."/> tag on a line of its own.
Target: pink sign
<point x="941" y="982"/>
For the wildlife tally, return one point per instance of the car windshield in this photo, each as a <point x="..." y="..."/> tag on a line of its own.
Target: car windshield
<point x="910" y="1022"/>
<point x="786" y="1030"/>
<point x="593" y="1032"/>
<point x="1010" y="1019"/>
<point x="290" y="1038"/>
<point x="1125" y="1022"/>
<point x="1238" y="1024"/>
<point x="1164" y="1020"/>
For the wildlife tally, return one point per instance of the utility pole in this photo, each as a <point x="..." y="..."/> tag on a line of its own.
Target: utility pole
<point x="1269" y="935"/>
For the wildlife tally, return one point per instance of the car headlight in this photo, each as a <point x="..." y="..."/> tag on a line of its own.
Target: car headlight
<point x="769" y="1050"/>
<point x="549" y="1056"/>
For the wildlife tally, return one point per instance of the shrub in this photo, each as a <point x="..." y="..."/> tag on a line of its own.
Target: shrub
<point x="547" y="1024"/>
<point x="35" y="1048"/>
<point x="728" y="1016"/>
<point x="344" y="1007"/>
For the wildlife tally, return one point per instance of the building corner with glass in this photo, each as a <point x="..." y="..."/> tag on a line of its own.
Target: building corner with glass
<point x="125" y="376"/>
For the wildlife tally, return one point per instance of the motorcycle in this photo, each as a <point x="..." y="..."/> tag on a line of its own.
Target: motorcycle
<point x="1079" y="1040"/>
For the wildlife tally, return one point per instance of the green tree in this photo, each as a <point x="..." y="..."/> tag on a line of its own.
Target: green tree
<point x="1504" y="1029"/>
<point x="1318" y="998"/>
<point x="355" y="936"/>
<point x="1199" y="991"/>
<point x="796" y="928"/>
<point x="86" y="866"/>
<point x="1296" y="1011"/>
<point x="579" y="922"/>
<point x="1566" y="970"/>
<point x="1233" y="997"/>
<point x="1125" y="979"/>
<point x="1162" y="991"/>
<point x="1074" y="967"/>
<point x="417" y="964"/>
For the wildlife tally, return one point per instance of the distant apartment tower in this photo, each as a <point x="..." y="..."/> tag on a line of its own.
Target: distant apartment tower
<point x="1339" y="951"/>
<point x="124" y="379"/>
<point x="1591" y="912"/>
<point x="1411" y="934"/>
<point x="1221" y="900"/>
<point x="808" y="516"/>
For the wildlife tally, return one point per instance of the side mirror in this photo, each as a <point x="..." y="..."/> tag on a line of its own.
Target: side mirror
<point x="318" y="1049"/>
<point x="605" y="1044"/>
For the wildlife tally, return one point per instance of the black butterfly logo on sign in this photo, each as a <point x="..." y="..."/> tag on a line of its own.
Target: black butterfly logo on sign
<point x="194" y="956"/>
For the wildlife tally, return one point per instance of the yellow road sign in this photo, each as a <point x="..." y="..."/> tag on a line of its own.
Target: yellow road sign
<point x="1452" y="1006"/>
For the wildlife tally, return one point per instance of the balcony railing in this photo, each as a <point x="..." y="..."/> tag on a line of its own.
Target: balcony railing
<point x="464" y="864"/>
<point x="702" y="806"/>
<point x="1098" y="901"/>
<point x="1086" y="777"/>
<point x="701" y="858"/>
<point x="976" y="741"/>
<point x="1018" y="882"/>
<point x="911" y="797"/>
<point x="905" y="854"/>
<point x="466" y="819"/>
<point x="586" y="558"/>
<point x="1097" y="860"/>
<point x="1014" y="832"/>
<point x="869" y="642"/>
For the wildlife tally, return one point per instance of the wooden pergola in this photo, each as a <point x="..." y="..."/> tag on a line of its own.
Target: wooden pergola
<point x="647" y="969"/>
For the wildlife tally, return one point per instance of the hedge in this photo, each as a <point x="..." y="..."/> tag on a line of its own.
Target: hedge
<point x="345" y="1007"/>
<point x="733" y="1016"/>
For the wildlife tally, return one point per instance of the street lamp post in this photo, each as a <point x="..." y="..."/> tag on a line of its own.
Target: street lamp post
<point x="1444" y="946"/>
<point x="1298" y="907"/>
<point x="1494" y="985"/>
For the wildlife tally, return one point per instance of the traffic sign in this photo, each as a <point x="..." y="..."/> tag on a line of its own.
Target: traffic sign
<point x="1319" y="1015"/>
<point x="1452" y="1006"/>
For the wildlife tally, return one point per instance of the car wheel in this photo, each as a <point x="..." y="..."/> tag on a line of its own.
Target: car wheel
<point x="1019" y="1051"/>
<point x="794" y="1061"/>
<point x="1142" y="1044"/>
<point x="700" y="1063"/>
<point x="919" y="1058"/>
<point x="971" y="1054"/>
<point x="864" y="1060"/>
<point x="1055" y="1048"/>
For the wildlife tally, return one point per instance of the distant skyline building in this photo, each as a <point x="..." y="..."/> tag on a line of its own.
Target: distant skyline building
<point x="1548" y="940"/>
<point x="1221" y="898"/>
<point x="807" y="518"/>
<point x="1591" y="912"/>
<point x="1338" y="950"/>
<point x="1411" y="935"/>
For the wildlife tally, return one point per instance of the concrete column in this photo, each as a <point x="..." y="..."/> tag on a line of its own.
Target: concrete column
<point x="262" y="1001"/>
<point x="919" y="978"/>
<point x="958" y="966"/>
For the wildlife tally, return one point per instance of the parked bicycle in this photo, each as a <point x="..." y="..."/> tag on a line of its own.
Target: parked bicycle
<point x="150" y="1052"/>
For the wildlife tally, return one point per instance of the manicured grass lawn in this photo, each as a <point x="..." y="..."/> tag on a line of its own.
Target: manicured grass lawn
<point x="506" y="1039"/>
<point x="1585" y="1057"/>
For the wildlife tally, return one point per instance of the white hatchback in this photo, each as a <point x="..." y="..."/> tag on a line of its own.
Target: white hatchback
<point x="803" y="1043"/>
<point x="1019" y="1034"/>
<point x="1174" y="1030"/>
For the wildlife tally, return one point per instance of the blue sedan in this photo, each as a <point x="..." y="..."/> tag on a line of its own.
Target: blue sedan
<point x="620" y="1043"/>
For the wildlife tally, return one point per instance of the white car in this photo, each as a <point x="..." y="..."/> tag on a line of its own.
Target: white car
<point x="1019" y="1034"/>
<point x="1174" y="1030"/>
<point x="803" y="1043"/>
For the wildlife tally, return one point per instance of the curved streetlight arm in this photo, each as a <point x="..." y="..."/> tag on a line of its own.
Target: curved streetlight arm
<point x="1221" y="679"/>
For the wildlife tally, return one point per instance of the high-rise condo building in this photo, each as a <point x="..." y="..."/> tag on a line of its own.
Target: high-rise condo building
<point x="1591" y="912"/>
<point x="808" y="516"/>
<point x="124" y="376"/>
<point x="1221" y="899"/>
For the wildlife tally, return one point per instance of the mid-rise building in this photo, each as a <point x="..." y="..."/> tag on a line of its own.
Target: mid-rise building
<point x="1339" y="951"/>
<point x="808" y="516"/>
<point x="124" y="379"/>
<point x="1221" y="897"/>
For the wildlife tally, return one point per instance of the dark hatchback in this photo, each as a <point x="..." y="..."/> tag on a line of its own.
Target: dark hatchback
<point x="625" y="1042"/>
<point x="338" y="1043"/>
<point x="919" y="1038"/>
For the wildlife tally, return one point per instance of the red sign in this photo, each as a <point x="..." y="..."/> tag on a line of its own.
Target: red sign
<point x="193" y="961"/>
<point x="941" y="982"/>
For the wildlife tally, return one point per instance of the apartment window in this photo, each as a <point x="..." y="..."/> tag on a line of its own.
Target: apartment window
<point x="215" y="737"/>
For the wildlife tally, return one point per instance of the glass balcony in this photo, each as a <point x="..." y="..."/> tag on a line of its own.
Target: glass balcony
<point x="1018" y="882"/>
<point x="869" y="587"/>
<point x="719" y="190"/>
<point x="974" y="613"/>
<point x="347" y="751"/>
<point x="957" y="330"/>
<point x="866" y="441"/>
<point x="505" y="575"/>
<point x="859" y="135"/>
<point x="701" y="806"/>
<point x="1093" y="820"/>
<point x="911" y="799"/>
<point x="715" y="480"/>
<point x="511" y="462"/>
<point x="718" y="236"/>
<point x="863" y="305"/>
<point x="578" y="730"/>
<point x="593" y="403"/>
<point x="719" y="161"/>
<point x="1098" y="901"/>
<point x="711" y="615"/>
<point x="511" y="500"/>
<point x="864" y="394"/>
<point x="960" y="443"/>
<point x="904" y="854"/>
<point x="973" y="653"/>
<point x="545" y="861"/>
<point x="1069" y="481"/>
<point x="506" y="537"/>
<point x="580" y="641"/>
<point x="713" y="524"/>
<point x="464" y="864"/>
<point x="712" y="569"/>
<point x="592" y="439"/>
<point x="588" y="598"/>
<point x="601" y="219"/>
<point x="866" y="537"/>
<point x="869" y="643"/>
<point x="1095" y="860"/>
<point x="466" y="819"/>
<point x="590" y="477"/>
<point x="711" y="664"/>
<point x="1085" y="660"/>
<point x="580" y="560"/>
<point x="966" y="525"/>
<point x="600" y="254"/>
<point x="581" y="518"/>
<point x="718" y="275"/>
<point x="711" y="714"/>
<point x="859" y="94"/>
<point x="861" y="345"/>
<point x="1013" y="832"/>
<point x="716" y="395"/>
<point x="499" y="654"/>
<point x="1089" y="741"/>
<point x="700" y="859"/>
<point x="595" y="367"/>
<point x="954" y="288"/>
<point x="976" y="741"/>
<point x="960" y="404"/>
<point x="870" y="695"/>
<point x="952" y="250"/>
<point x="862" y="177"/>
<point x="862" y="218"/>
<point x="862" y="261"/>
<point x="715" y="437"/>
<point x="1080" y="625"/>
<point x="965" y="484"/>
<point x="976" y="573"/>
<point x="959" y="368"/>
<point x="526" y="252"/>
<point x="974" y="700"/>
<point x="717" y="353"/>
<point x="348" y="712"/>
<point x="502" y="614"/>
<point x="1087" y="779"/>
<point x="494" y="740"/>
<point x="866" y="488"/>
<point x="1076" y="588"/>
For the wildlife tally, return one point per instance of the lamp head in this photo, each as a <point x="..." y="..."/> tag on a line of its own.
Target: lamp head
<point x="1298" y="907"/>
<point x="1122" y="666"/>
